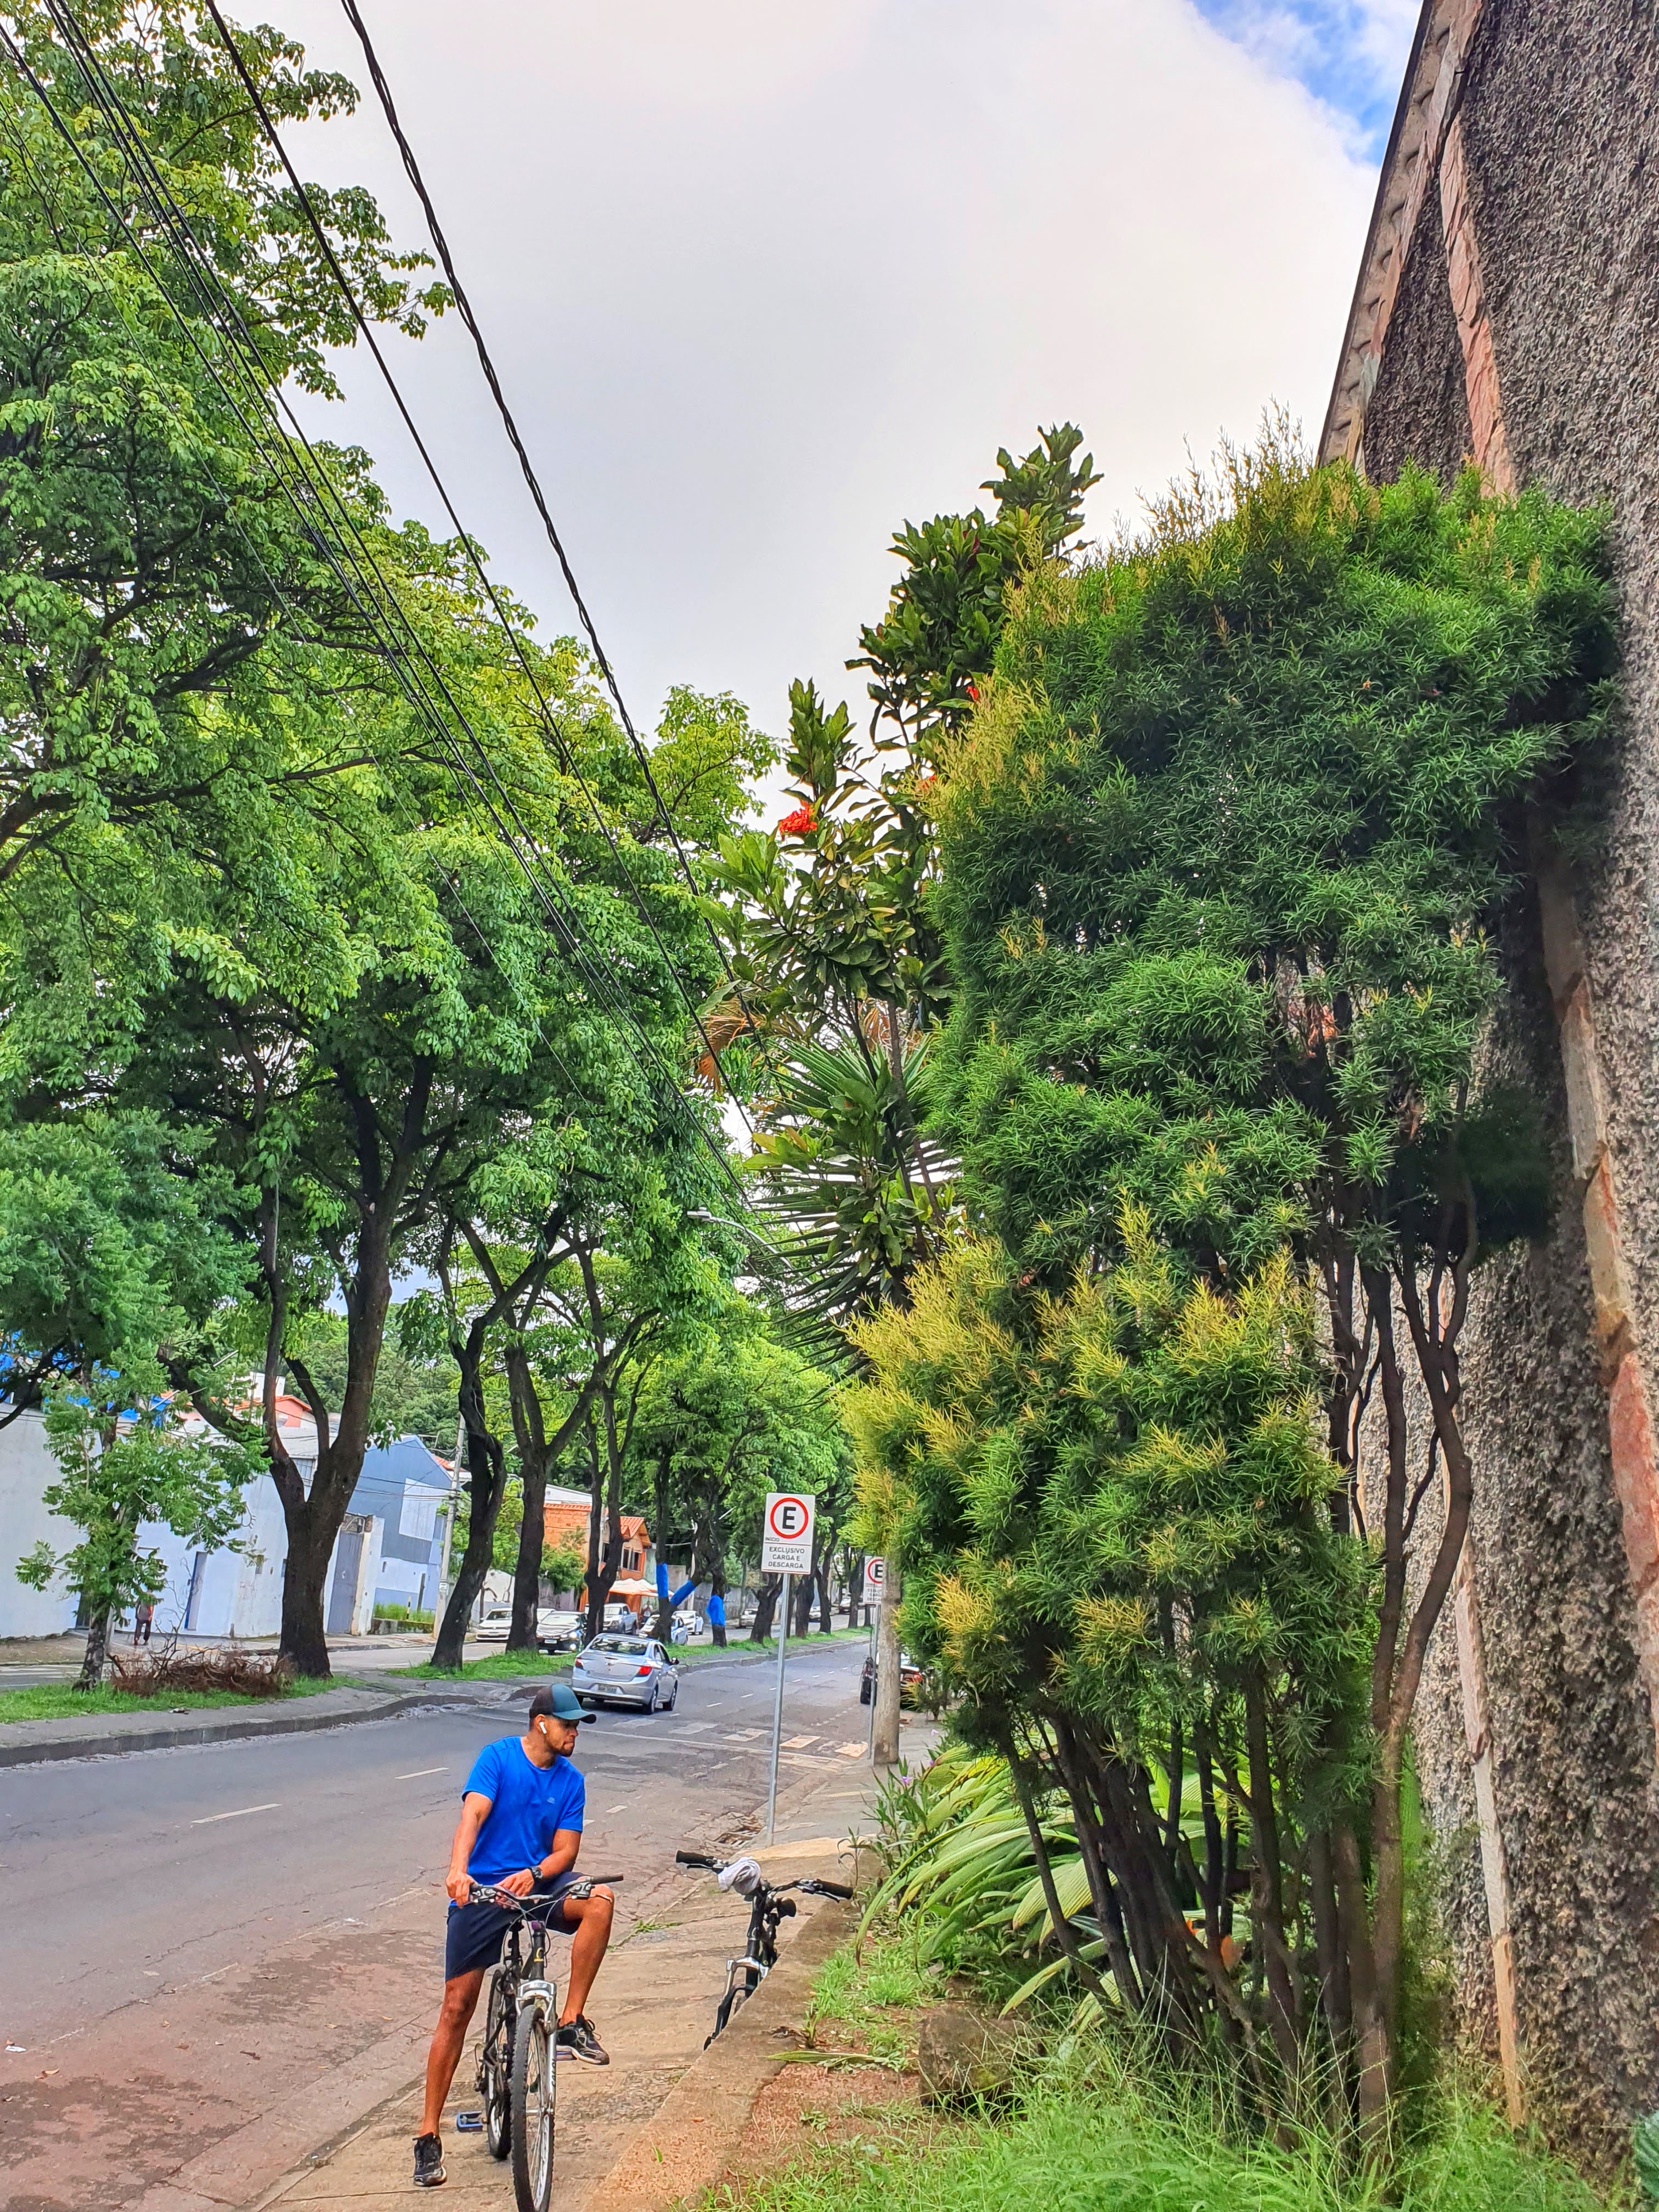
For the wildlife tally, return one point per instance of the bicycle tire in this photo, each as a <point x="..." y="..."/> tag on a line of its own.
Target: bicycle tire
<point x="495" y="2070"/>
<point x="534" y="2094"/>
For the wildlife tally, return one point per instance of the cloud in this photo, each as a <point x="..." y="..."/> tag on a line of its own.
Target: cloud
<point x="1349" y="54"/>
<point x="763" y="280"/>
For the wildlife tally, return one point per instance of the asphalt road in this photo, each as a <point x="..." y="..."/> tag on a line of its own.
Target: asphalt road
<point x="197" y="1939"/>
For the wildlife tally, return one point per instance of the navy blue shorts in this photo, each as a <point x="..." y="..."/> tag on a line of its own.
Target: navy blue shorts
<point x="475" y="1932"/>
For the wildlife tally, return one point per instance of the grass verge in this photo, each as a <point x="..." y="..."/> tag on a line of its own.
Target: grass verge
<point x="1096" y="2128"/>
<point x="59" y="1701"/>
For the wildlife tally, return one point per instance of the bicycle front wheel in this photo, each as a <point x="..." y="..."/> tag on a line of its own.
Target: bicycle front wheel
<point x="533" y="2111"/>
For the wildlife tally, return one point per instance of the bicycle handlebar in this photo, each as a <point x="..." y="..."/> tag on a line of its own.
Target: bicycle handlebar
<point x="718" y="1866"/>
<point x="488" y="1892"/>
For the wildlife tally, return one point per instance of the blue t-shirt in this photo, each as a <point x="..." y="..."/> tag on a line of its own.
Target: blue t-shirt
<point x="527" y="1804"/>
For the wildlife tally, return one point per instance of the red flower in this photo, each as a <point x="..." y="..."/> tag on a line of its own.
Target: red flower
<point x="973" y="693"/>
<point x="801" y="823"/>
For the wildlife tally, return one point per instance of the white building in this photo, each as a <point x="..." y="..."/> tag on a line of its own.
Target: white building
<point x="387" y="1552"/>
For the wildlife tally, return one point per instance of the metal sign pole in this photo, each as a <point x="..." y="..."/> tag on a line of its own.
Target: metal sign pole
<point x="777" y="1708"/>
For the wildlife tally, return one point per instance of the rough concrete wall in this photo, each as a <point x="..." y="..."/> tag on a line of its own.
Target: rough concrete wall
<point x="1558" y="117"/>
<point x="1419" y="411"/>
<point x="1570" y="1720"/>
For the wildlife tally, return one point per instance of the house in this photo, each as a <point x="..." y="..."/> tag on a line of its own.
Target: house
<point x="567" y="1518"/>
<point x="389" y="1549"/>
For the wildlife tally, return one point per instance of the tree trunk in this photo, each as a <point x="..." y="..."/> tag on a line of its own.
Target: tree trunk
<point x="800" y="1600"/>
<point x="531" y="1437"/>
<point x="884" y="1749"/>
<point x="602" y="1564"/>
<point x="313" y="1519"/>
<point x="659" y="1526"/>
<point x="97" y="1652"/>
<point x="766" y="1604"/>
<point x="486" y="1463"/>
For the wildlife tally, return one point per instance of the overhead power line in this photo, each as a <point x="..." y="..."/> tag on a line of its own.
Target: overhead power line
<point x="326" y="247"/>
<point x="242" y="350"/>
<point x="509" y="424"/>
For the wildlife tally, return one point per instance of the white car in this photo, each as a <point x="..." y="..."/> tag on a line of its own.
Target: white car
<point x="626" y="1670"/>
<point x="496" y="1625"/>
<point x="688" y="1625"/>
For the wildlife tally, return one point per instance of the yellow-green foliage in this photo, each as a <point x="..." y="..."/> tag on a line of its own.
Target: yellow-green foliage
<point x="1146" y="1453"/>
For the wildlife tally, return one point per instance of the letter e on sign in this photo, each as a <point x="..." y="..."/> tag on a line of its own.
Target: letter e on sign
<point x="787" y="1534"/>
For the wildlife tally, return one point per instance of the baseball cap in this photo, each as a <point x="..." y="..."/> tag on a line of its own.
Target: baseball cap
<point x="561" y="1702"/>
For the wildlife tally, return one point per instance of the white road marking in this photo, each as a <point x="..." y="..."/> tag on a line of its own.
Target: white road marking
<point x="421" y="1773"/>
<point x="239" y="1814"/>
<point x="853" y="1750"/>
<point x="609" y="1809"/>
<point x="798" y="1743"/>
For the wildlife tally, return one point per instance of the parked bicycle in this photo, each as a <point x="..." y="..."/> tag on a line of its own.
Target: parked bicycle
<point x="516" y="2063"/>
<point x="768" y="1907"/>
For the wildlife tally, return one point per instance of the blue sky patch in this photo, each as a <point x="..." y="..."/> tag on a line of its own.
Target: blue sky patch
<point x="1349" y="53"/>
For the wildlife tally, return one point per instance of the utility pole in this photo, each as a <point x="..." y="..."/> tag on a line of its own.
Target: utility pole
<point x="449" y="1522"/>
<point x="884" y="1732"/>
<point x="777" y="1710"/>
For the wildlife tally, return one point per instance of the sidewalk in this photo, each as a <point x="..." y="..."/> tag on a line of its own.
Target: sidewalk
<point x="655" y="2002"/>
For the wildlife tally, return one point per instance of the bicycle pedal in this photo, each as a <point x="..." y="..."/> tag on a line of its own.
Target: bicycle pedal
<point x="469" y="2124"/>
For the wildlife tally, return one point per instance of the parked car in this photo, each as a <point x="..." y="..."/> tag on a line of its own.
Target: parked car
<point x="688" y="1625"/>
<point x="558" y="1630"/>
<point x="626" y="1670"/>
<point x="621" y="1619"/>
<point x="495" y="1626"/>
<point x="912" y="1680"/>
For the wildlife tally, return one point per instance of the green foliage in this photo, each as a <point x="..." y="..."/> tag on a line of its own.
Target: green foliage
<point x="1644" y="2150"/>
<point x="1102" y="2127"/>
<point x="1223" y="853"/>
<point x="120" y="1471"/>
<point x="939" y="633"/>
<point x="57" y="1701"/>
<point x="413" y="1396"/>
<point x="1225" y="850"/>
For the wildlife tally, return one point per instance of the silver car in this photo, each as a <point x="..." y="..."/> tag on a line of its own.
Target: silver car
<point x="626" y="1670"/>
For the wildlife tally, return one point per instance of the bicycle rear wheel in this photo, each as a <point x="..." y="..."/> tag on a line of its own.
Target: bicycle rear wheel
<point x="533" y="2111"/>
<point x="496" y="2067"/>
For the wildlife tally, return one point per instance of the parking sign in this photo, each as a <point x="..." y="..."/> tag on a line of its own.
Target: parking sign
<point x="787" y="1534"/>
<point x="875" y="1580"/>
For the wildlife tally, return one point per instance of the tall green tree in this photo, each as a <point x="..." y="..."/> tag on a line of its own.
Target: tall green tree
<point x="1226" y="856"/>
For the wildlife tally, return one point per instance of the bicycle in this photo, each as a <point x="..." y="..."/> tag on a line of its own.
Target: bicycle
<point x="516" y="2064"/>
<point x="768" y="1907"/>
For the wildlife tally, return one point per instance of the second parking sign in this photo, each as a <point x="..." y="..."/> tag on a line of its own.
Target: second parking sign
<point x="787" y="1534"/>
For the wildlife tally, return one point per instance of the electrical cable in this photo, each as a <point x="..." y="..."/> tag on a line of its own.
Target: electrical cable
<point x="527" y="470"/>
<point x="570" y="936"/>
<point x="326" y="246"/>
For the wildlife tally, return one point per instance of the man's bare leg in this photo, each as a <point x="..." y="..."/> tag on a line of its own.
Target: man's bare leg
<point x="593" y="1915"/>
<point x="448" y="2038"/>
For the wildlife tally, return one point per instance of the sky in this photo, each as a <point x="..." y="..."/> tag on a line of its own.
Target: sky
<point x="765" y="277"/>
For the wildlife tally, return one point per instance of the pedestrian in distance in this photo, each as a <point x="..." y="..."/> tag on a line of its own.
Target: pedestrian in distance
<point x="520" y="1829"/>
<point x="141" y="1618"/>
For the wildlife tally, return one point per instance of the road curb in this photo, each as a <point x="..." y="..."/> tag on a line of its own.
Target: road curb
<point x="225" y="1726"/>
<point x="686" y="2145"/>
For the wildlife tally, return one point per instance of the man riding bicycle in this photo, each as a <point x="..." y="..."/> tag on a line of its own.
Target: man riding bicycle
<point x="520" y="1830"/>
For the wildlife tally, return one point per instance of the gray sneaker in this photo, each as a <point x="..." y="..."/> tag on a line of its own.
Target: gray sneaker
<point x="429" y="2163"/>
<point x="578" y="2040"/>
